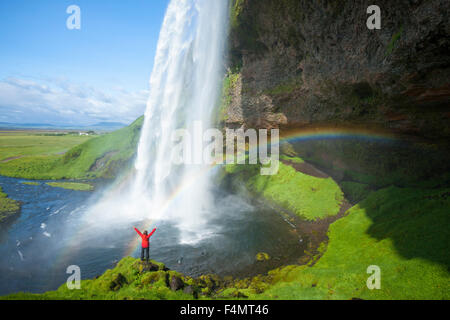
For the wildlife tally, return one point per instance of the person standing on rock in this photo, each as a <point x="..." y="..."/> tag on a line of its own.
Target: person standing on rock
<point x="145" y="250"/>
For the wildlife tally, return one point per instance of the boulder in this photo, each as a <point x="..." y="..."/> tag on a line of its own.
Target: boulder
<point x="176" y="283"/>
<point x="118" y="281"/>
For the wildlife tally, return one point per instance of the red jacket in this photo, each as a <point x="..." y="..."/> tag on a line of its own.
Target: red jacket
<point x="145" y="241"/>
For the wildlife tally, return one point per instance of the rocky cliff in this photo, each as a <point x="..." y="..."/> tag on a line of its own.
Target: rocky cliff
<point x="300" y="62"/>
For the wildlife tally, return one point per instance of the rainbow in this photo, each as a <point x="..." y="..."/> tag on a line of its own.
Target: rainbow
<point x="322" y="133"/>
<point x="297" y="135"/>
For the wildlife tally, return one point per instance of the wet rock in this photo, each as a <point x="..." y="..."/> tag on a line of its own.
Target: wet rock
<point x="289" y="77"/>
<point x="176" y="283"/>
<point x="239" y="295"/>
<point x="118" y="282"/>
<point x="189" y="290"/>
<point x="150" y="267"/>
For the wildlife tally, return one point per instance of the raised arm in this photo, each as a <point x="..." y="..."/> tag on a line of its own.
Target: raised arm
<point x="153" y="231"/>
<point x="139" y="233"/>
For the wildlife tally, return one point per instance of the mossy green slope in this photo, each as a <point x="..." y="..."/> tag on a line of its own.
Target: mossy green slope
<point x="127" y="281"/>
<point x="307" y="196"/>
<point x="403" y="231"/>
<point x="8" y="207"/>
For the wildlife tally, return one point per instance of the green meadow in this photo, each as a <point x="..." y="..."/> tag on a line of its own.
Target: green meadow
<point x="29" y="154"/>
<point x="37" y="156"/>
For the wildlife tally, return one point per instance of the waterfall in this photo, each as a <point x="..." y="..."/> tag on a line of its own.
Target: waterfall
<point x="184" y="88"/>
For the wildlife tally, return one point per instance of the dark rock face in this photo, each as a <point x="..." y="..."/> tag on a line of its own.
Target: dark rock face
<point x="176" y="283"/>
<point x="117" y="282"/>
<point x="303" y="62"/>
<point x="150" y="267"/>
<point x="189" y="290"/>
<point x="192" y="291"/>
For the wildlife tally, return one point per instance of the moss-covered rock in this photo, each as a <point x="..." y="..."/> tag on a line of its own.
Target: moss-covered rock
<point x="262" y="256"/>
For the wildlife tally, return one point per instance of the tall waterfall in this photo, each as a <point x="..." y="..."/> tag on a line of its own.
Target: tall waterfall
<point x="184" y="88"/>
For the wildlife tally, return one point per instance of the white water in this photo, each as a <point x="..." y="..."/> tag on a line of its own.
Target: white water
<point x="184" y="88"/>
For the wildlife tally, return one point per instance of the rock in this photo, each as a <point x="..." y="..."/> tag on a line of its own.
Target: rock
<point x="262" y="256"/>
<point x="189" y="290"/>
<point x="150" y="267"/>
<point x="118" y="281"/>
<point x="176" y="283"/>
<point x="299" y="62"/>
<point x="239" y="295"/>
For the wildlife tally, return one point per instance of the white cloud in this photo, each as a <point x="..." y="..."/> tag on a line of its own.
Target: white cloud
<point x="61" y="101"/>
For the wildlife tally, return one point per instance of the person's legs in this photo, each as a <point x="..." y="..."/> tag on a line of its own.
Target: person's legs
<point x="142" y="254"/>
<point x="147" y="253"/>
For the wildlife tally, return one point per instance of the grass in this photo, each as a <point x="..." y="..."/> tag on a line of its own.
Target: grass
<point x="307" y="196"/>
<point x="404" y="231"/>
<point x="31" y="183"/>
<point x="68" y="157"/>
<point x="72" y="186"/>
<point x="34" y="144"/>
<point x="354" y="191"/>
<point x="8" y="207"/>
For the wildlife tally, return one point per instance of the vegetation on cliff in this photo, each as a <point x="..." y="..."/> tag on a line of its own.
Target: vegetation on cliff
<point x="302" y="62"/>
<point x="307" y="196"/>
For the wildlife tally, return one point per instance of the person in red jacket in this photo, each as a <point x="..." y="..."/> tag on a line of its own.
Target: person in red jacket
<point x="145" y="243"/>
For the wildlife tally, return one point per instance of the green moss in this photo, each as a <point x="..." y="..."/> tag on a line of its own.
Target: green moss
<point x="228" y="85"/>
<point x="291" y="159"/>
<point x="307" y="196"/>
<point x="403" y="231"/>
<point x="286" y="87"/>
<point x="72" y="186"/>
<point x="8" y="207"/>
<point x="236" y="7"/>
<point x="262" y="256"/>
<point x="31" y="183"/>
<point x="125" y="282"/>
<point x="354" y="191"/>
<point x="391" y="45"/>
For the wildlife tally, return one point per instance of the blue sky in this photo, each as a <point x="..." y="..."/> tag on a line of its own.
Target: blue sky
<point x="50" y="74"/>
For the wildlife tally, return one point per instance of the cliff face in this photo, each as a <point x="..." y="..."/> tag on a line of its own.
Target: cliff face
<point x="300" y="62"/>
